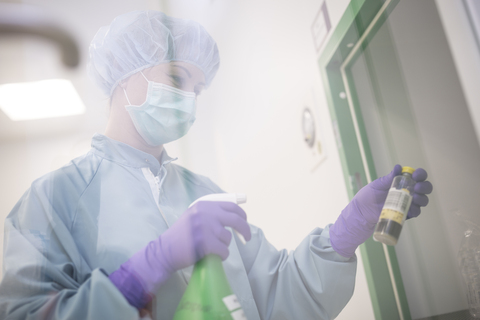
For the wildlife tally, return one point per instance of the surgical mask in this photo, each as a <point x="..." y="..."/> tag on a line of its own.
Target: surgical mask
<point x="166" y="115"/>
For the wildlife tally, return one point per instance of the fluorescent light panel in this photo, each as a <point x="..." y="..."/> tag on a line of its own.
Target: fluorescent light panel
<point x="39" y="100"/>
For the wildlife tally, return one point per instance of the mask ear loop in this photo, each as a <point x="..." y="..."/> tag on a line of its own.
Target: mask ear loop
<point x="126" y="96"/>
<point x="144" y="76"/>
<point x="125" y="92"/>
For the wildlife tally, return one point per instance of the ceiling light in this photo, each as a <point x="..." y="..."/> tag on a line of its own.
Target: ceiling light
<point x="39" y="100"/>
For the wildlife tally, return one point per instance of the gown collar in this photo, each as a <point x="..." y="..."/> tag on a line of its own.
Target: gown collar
<point x="127" y="155"/>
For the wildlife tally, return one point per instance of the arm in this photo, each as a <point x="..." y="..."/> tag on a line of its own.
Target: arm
<point x="317" y="279"/>
<point x="312" y="282"/>
<point x="198" y="232"/>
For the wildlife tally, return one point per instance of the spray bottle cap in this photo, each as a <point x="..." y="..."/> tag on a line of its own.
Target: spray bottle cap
<point x="241" y="198"/>
<point x="408" y="170"/>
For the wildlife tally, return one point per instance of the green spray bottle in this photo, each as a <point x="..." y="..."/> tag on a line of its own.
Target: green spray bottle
<point x="209" y="295"/>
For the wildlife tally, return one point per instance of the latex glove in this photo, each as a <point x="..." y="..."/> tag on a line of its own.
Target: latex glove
<point x="357" y="221"/>
<point x="198" y="232"/>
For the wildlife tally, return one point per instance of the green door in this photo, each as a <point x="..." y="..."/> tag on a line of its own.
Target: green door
<point x="346" y="58"/>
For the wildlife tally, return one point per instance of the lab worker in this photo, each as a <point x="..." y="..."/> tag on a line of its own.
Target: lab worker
<point x="110" y="235"/>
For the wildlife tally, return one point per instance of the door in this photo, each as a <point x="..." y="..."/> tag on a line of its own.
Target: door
<point x="395" y="97"/>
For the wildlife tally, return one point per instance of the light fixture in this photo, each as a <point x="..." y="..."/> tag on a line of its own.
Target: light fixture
<point x="39" y="100"/>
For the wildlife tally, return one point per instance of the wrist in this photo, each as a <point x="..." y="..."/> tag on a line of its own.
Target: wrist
<point x="142" y="275"/>
<point x="151" y="265"/>
<point x="350" y="230"/>
<point x="131" y="286"/>
<point x="340" y="241"/>
<point x="159" y="253"/>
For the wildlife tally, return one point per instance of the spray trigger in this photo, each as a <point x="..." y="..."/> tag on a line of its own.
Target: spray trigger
<point x="237" y="198"/>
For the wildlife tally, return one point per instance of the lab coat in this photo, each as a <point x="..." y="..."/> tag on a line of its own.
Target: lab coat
<point x="76" y="225"/>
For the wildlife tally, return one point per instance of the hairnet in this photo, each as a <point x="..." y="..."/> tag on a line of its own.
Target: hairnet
<point x="142" y="39"/>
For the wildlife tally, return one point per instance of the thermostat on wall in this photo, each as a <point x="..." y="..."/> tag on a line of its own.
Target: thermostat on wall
<point x="312" y="137"/>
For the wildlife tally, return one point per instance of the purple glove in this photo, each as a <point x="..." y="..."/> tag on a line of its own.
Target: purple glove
<point x="198" y="232"/>
<point x="357" y="221"/>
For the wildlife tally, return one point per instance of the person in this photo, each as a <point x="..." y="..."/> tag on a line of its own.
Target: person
<point x="110" y="235"/>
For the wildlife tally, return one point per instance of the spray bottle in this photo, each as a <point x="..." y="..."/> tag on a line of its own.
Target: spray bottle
<point x="209" y="295"/>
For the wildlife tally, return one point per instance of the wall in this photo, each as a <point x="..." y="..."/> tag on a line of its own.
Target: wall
<point x="463" y="40"/>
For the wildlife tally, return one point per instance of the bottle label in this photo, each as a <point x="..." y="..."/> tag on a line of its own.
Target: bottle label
<point x="231" y="302"/>
<point x="396" y="205"/>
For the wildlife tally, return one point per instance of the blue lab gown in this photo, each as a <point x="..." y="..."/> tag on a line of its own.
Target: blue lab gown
<point x="79" y="223"/>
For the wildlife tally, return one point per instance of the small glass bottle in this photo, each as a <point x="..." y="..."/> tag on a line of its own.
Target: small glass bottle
<point x="469" y="261"/>
<point x="395" y="209"/>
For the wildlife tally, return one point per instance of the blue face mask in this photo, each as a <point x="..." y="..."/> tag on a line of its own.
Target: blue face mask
<point x="166" y="115"/>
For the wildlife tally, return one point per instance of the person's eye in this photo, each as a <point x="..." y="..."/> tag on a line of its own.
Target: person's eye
<point x="198" y="89"/>
<point x="178" y="81"/>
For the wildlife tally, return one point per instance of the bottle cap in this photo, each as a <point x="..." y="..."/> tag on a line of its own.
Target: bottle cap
<point x="408" y="169"/>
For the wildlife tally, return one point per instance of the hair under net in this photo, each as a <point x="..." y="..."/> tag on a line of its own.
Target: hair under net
<point x="142" y="39"/>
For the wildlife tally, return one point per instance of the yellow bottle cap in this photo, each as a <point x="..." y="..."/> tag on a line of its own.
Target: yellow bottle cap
<point x="408" y="169"/>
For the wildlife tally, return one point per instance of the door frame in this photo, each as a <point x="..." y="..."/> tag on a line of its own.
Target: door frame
<point x="356" y="28"/>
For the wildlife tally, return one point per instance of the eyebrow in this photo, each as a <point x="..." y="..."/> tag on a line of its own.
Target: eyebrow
<point x="184" y="69"/>
<point x="188" y="73"/>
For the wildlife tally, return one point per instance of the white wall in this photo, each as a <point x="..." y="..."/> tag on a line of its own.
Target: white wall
<point x="464" y="46"/>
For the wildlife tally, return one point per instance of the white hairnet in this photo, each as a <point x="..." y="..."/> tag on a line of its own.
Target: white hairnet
<point x="142" y="39"/>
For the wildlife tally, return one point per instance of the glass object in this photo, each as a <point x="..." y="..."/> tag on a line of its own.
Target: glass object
<point x="396" y="208"/>
<point x="469" y="262"/>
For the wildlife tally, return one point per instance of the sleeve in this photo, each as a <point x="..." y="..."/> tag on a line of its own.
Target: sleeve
<point x="44" y="273"/>
<point x="311" y="282"/>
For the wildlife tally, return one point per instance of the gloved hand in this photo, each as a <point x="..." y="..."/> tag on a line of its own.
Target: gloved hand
<point x="357" y="221"/>
<point x="198" y="232"/>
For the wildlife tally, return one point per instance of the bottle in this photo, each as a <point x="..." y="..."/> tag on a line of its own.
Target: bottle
<point x="469" y="262"/>
<point x="395" y="209"/>
<point x="208" y="295"/>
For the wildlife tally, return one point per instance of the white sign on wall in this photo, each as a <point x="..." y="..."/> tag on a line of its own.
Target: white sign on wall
<point x="320" y="27"/>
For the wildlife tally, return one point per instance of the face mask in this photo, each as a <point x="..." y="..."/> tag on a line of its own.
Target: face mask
<point x="166" y="115"/>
